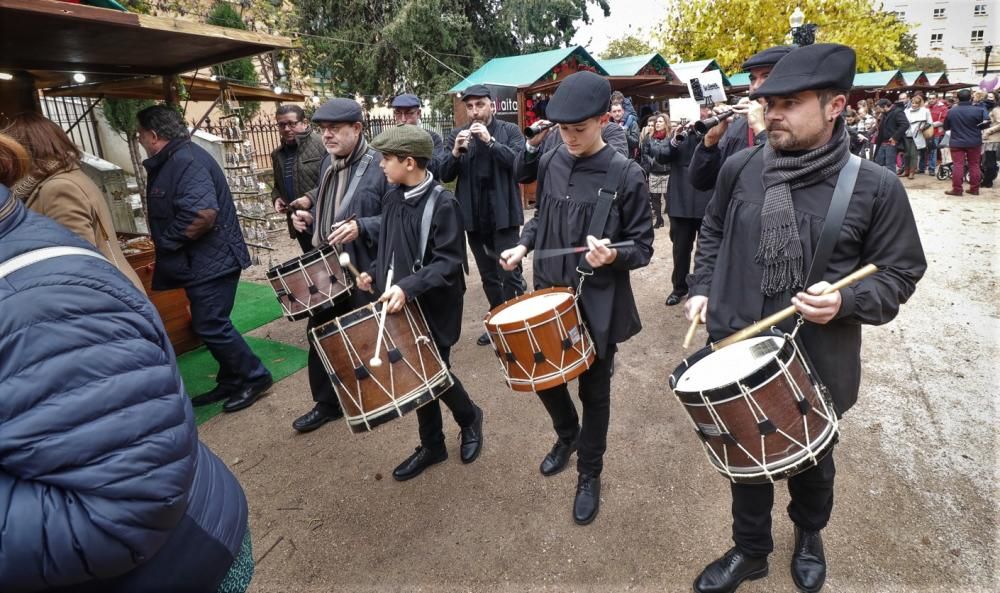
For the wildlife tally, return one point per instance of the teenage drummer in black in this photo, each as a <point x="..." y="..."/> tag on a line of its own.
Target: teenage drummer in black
<point x="432" y="274"/>
<point x="755" y="250"/>
<point x="569" y="206"/>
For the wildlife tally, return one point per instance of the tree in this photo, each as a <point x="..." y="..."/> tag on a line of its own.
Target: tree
<point x="928" y="64"/>
<point x="424" y="46"/>
<point x="626" y="46"/>
<point x="730" y="31"/>
<point x="242" y="70"/>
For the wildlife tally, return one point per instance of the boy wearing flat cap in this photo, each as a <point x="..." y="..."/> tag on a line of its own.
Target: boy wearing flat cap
<point x="587" y="192"/>
<point x="406" y="109"/>
<point x="758" y="251"/>
<point x="428" y="263"/>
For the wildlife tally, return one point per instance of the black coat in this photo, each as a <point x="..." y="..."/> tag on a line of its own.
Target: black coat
<point x="683" y="200"/>
<point x="504" y="194"/>
<point x="650" y="148"/>
<point x="439" y="286"/>
<point x="567" y="195"/>
<point x="707" y="161"/>
<point x="879" y="228"/>
<point x="526" y="163"/>
<point x="182" y="180"/>
<point x="893" y="126"/>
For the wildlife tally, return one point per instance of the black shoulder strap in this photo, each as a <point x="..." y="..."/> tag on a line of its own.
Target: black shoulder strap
<point x="750" y="154"/>
<point x="425" y="226"/>
<point x="606" y="196"/>
<point x="834" y="219"/>
<point x="355" y="180"/>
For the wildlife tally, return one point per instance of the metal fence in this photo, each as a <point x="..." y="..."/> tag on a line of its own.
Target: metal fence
<point x="66" y="112"/>
<point x="265" y="137"/>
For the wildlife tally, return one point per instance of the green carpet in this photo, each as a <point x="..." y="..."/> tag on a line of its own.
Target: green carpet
<point x="198" y="369"/>
<point x="255" y="306"/>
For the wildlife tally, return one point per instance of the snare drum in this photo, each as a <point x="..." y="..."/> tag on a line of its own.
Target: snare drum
<point x="758" y="407"/>
<point x="310" y="283"/>
<point x="412" y="372"/>
<point x="540" y="339"/>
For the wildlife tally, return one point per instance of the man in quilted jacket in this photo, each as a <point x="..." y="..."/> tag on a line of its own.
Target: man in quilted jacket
<point x="104" y="486"/>
<point x="200" y="248"/>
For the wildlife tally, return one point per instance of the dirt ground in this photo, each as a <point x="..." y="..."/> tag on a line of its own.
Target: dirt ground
<point x="917" y="493"/>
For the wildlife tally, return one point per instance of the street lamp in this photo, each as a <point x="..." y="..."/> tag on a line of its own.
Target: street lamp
<point x="986" y="62"/>
<point x="802" y="34"/>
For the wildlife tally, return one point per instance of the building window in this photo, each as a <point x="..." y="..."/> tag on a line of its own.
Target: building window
<point x="937" y="39"/>
<point x="979" y="10"/>
<point x="977" y="36"/>
<point x="939" y="13"/>
<point x="900" y="15"/>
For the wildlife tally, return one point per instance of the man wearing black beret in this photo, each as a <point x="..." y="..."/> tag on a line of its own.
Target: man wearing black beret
<point x="756" y="252"/>
<point x="406" y="109"/>
<point x="482" y="159"/>
<point x="587" y="192"/>
<point x="351" y="186"/>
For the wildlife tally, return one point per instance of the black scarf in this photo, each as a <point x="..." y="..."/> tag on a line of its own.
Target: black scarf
<point x="481" y="169"/>
<point x="780" y="251"/>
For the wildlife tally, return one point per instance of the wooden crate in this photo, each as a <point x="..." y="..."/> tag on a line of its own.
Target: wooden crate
<point x="172" y="305"/>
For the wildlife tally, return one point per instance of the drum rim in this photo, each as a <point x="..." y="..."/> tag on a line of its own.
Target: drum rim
<point x="441" y="382"/>
<point x="306" y="258"/>
<point x="760" y="476"/>
<point x="334" y="300"/>
<point x="546" y="315"/>
<point x="727" y="391"/>
<point x="347" y="320"/>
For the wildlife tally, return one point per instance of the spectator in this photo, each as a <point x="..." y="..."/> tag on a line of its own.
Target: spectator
<point x="991" y="145"/>
<point x="891" y="133"/>
<point x="939" y="109"/>
<point x="200" y="248"/>
<point x="56" y="187"/>
<point x="657" y="172"/>
<point x="918" y="118"/>
<point x="295" y="164"/>
<point x="966" y="144"/>
<point x="106" y="487"/>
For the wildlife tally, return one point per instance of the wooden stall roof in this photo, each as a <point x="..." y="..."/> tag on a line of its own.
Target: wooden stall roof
<point x="151" y="87"/>
<point x="50" y="35"/>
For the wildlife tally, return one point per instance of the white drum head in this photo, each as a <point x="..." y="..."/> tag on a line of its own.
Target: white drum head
<point x="530" y="307"/>
<point x="730" y="364"/>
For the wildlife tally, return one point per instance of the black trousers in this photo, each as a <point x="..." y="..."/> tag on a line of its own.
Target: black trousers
<point x="595" y="394"/>
<point x="809" y="509"/>
<point x="989" y="168"/>
<point x="320" y="385"/>
<point x="499" y="285"/>
<point x="211" y="305"/>
<point x="656" y="205"/>
<point x="683" y="234"/>
<point x="458" y="401"/>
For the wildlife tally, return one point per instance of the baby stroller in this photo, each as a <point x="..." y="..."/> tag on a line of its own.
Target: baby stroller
<point x="944" y="166"/>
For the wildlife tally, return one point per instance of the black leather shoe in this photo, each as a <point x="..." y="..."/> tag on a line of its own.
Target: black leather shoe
<point x="725" y="574"/>
<point x="315" y="418"/>
<point x="217" y="394"/>
<point x="588" y="499"/>
<point x="658" y="225"/>
<point x="247" y="395"/>
<point x="483" y="340"/>
<point x="557" y="459"/>
<point x="808" y="561"/>
<point x="472" y="438"/>
<point x="416" y="464"/>
<point x="675" y="298"/>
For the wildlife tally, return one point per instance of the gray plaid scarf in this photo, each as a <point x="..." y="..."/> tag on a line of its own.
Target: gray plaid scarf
<point x="780" y="251"/>
<point x="332" y="190"/>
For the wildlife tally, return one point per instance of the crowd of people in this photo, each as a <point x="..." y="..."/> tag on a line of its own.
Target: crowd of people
<point x="118" y="492"/>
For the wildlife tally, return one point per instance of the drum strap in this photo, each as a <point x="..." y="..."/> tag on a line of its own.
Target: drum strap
<point x="33" y="257"/>
<point x="425" y="226"/>
<point x="355" y="180"/>
<point x="606" y="196"/>
<point x="834" y="219"/>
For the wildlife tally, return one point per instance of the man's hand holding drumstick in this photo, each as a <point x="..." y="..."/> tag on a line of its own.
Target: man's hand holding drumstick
<point x="598" y="255"/>
<point x="394" y="298"/>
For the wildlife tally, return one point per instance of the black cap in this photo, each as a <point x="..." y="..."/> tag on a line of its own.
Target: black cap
<point x="580" y="96"/>
<point x="811" y="67"/>
<point x="476" y="90"/>
<point x="767" y="57"/>
<point x="405" y="101"/>
<point x="337" y="110"/>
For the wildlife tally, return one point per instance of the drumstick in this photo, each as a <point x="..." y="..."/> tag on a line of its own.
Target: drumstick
<point x="345" y="262"/>
<point x="341" y="223"/>
<point x="544" y="253"/>
<point x="776" y="318"/>
<point x="690" y="333"/>
<point x="376" y="361"/>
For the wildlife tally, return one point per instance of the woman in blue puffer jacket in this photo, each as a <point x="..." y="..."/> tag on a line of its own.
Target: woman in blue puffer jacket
<point x="104" y="485"/>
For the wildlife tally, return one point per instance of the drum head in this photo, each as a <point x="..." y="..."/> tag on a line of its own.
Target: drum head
<point x="530" y="307"/>
<point x="730" y="364"/>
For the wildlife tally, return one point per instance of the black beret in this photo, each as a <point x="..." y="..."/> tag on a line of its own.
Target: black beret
<point x="767" y="57"/>
<point x="476" y="90"/>
<point x="580" y="96"/>
<point x="406" y="101"/>
<point x="337" y="110"/>
<point x="811" y="67"/>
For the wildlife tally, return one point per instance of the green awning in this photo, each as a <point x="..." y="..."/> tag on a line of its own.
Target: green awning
<point x="524" y="71"/>
<point x="876" y="79"/>
<point x="632" y="65"/>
